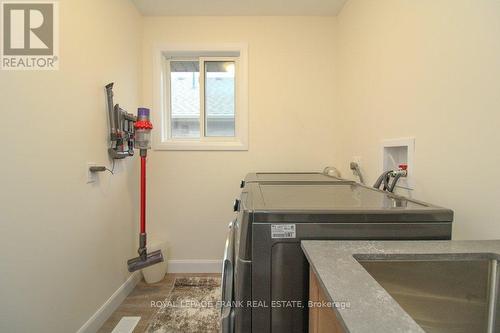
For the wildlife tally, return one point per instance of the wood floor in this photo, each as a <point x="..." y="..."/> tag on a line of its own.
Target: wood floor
<point x="138" y="303"/>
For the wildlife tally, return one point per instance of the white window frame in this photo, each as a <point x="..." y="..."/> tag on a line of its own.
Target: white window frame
<point x="162" y="139"/>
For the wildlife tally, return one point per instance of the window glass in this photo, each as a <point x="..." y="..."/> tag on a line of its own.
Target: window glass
<point x="219" y="98"/>
<point x="185" y="99"/>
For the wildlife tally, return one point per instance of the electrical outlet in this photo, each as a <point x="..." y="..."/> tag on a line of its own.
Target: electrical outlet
<point x="91" y="176"/>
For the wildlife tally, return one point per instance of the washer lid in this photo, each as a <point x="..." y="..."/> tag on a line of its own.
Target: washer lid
<point x="260" y="177"/>
<point x="339" y="199"/>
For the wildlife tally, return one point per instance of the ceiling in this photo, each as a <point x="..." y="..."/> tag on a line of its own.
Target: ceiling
<point x="239" y="7"/>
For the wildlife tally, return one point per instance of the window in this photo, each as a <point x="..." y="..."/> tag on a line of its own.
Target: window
<point x="184" y="99"/>
<point x="219" y="97"/>
<point x="202" y="97"/>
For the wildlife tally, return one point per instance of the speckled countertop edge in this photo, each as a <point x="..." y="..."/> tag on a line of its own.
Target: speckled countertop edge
<point x="372" y="309"/>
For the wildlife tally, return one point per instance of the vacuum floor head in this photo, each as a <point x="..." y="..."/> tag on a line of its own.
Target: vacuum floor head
<point x="140" y="263"/>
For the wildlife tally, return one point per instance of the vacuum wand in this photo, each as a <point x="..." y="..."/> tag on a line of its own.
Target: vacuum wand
<point x="142" y="237"/>
<point x="143" y="192"/>
<point x="143" y="129"/>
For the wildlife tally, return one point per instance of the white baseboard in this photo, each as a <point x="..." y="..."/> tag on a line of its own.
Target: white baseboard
<point x="174" y="266"/>
<point x="97" y="320"/>
<point x="194" y="266"/>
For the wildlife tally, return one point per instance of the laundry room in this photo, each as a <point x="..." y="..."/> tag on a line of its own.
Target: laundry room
<point x="250" y="166"/>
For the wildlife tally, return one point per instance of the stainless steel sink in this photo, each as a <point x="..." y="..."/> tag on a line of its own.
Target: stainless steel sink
<point x="446" y="295"/>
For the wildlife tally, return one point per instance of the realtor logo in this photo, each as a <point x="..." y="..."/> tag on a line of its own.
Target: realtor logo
<point x="29" y="35"/>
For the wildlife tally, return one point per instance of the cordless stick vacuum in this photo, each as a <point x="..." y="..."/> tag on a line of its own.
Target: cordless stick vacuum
<point x="143" y="127"/>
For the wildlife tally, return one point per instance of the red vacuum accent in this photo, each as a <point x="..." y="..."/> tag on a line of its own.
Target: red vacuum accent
<point x="143" y="194"/>
<point x="143" y="124"/>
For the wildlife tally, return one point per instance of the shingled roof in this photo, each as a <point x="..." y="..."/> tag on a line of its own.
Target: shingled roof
<point x="219" y="96"/>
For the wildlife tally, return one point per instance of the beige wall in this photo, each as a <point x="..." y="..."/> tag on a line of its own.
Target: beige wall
<point x="320" y="91"/>
<point x="64" y="242"/>
<point x="292" y="121"/>
<point x="428" y="69"/>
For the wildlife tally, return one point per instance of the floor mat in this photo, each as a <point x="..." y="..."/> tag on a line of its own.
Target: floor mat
<point x="192" y="306"/>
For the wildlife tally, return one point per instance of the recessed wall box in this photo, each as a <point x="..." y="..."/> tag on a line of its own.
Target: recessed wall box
<point x="396" y="152"/>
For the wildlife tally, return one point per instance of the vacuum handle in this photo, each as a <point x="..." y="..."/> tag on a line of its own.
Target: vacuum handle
<point x="111" y="108"/>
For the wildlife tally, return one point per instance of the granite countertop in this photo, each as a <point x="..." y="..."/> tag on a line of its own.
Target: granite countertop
<point x="371" y="309"/>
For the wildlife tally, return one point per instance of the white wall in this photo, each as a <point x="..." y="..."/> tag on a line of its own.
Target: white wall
<point x="292" y="121"/>
<point x="65" y="243"/>
<point x="428" y="69"/>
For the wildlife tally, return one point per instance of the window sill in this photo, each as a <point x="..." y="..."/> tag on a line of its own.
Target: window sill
<point x="200" y="145"/>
